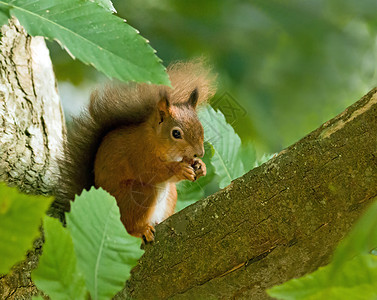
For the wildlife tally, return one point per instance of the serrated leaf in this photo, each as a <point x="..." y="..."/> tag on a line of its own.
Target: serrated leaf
<point x="107" y="4"/>
<point x="93" y="35"/>
<point x="20" y="218"/>
<point x="105" y="251"/>
<point x="355" y="277"/>
<point x="226" y="143"/>
<point x="57" y="274"/>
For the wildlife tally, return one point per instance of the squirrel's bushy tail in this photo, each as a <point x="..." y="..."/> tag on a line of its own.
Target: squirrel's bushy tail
<point x="120" y="105"/>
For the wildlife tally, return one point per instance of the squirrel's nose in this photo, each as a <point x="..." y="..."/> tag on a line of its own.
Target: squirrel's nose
<point x="200" y="152"/>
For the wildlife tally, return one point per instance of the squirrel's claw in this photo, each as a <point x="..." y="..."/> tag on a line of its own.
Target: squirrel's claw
<point x="148" y="235"/>
<point x="199" y="167"/>
<point x="193" y="169"/>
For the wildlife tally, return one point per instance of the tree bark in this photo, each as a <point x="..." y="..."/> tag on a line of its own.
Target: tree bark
<point x="279" y="221"/>
<point x="31" y="132"/>
<point x="32" y="123"/>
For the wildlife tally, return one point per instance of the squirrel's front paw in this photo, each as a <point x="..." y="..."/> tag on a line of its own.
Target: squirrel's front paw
<point x="199" y="167"/>
<point x="185" y="171"/>
<point x="148" y="234"/>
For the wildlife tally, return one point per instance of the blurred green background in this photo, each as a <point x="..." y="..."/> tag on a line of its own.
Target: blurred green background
<point x="284" y="67"/>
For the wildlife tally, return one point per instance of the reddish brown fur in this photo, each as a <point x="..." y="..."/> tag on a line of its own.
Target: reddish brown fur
<point x="119" y="144"/>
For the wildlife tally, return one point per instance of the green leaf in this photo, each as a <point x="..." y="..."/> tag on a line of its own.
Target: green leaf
<point x="20" y="218"/>
<point x="93" y="35"/>
<point x="226" y="143"/>
<point x="300" y="288"/>
<point x="362" y="238"/>
<point x="4" y="15"/>
<point x="107" y="4"/>
<point x="361" y="292"/>
<point x="105" y="251"/>
<point x="248" y="156"/>
<point x="355" y="279"/>
<point x="57" y="273"/>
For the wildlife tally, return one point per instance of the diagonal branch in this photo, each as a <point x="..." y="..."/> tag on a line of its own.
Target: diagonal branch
<point x="279" y="221"/>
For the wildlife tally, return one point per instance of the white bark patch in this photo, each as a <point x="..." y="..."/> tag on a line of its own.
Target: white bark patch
<point x="343" y="120"/>
<point x="32" y="123"/>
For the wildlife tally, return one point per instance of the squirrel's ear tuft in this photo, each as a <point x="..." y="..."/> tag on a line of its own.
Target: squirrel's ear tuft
<point x="163" y="105"/>
<point x="193" y="99"/>
<point x="188" y="76"/>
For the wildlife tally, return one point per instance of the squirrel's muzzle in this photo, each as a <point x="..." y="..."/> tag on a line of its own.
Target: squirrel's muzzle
<point x="199" y="152"/>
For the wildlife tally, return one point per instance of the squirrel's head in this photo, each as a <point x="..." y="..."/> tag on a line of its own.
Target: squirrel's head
<point x="178" y="128"/>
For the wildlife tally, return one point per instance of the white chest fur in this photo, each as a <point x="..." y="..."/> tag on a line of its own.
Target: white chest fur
<point x="161" y="204"/>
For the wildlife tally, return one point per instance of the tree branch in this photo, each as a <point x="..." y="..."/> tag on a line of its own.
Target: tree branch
<point x="279" y="221"/>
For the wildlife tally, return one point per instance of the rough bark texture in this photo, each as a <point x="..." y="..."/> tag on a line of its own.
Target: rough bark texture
<point x="31" y="132"/>
<point x="279" y="221"/>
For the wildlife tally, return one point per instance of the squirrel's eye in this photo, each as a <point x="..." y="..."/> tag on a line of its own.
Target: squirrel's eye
<point x="176" y="134"/>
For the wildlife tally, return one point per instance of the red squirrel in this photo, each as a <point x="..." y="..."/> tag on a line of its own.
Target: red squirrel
<point x="137" y="141"/>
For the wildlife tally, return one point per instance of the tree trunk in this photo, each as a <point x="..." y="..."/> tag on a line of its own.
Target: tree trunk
<point x="32" y="123"/>
<point x="279" y="221"/>
<point x="31" y="132"/>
